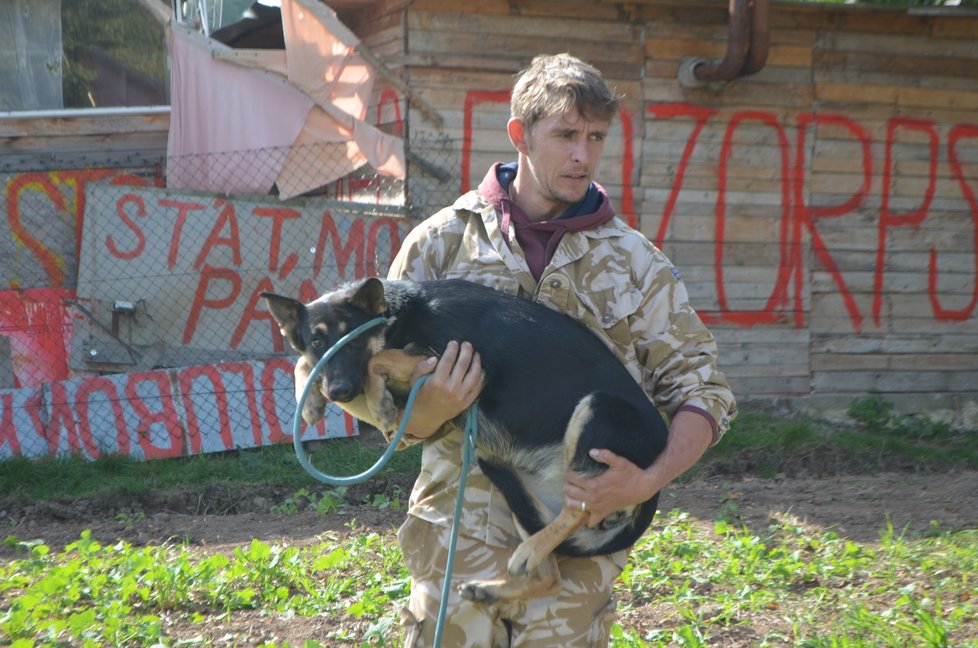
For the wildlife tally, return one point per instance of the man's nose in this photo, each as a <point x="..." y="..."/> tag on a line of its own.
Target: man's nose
<point x="580" y="151"/>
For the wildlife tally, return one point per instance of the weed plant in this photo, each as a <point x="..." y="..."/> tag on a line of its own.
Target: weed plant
<point x="710" y="586"/>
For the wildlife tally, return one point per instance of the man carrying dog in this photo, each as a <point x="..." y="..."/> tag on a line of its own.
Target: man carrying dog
<point x="544" y="230"/>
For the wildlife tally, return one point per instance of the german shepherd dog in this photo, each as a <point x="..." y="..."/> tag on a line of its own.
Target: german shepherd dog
<point x="551" y="392"/>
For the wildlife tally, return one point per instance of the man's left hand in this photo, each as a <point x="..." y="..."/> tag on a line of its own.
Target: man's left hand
<point x="623" y="484"/>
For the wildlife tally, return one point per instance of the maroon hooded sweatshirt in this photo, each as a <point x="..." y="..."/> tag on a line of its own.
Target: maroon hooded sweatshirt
<point x="539" y="239"/>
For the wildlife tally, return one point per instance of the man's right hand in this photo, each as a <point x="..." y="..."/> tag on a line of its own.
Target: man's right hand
<point x="454" y="383"/>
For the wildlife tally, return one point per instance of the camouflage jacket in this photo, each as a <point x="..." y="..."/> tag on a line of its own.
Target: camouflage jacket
<point x="612" y="279"/>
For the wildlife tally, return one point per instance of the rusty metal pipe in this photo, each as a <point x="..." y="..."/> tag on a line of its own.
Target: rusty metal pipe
<point x="747" y="47"/>
<point x="738" y="43"/>
<point x="760" y="38"/>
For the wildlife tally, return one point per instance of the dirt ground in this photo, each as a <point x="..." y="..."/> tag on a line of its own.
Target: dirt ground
<point x="853" y="506"/>
<point x="856" y="507"/>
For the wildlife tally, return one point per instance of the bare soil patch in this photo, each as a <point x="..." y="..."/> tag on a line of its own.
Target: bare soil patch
<point x="854" y="506"/>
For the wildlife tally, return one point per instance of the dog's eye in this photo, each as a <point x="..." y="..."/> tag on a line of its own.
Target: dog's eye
<point x="318" y="344"/>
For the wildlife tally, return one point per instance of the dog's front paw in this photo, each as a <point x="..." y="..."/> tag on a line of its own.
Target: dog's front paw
<point x="387" y="414"/>
<point x="314" y="407"/>
<point x="478" y="592"/>
<point x="524" y="559"/>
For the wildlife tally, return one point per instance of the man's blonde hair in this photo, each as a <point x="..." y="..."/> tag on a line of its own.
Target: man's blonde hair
<point x="555" y="84"/>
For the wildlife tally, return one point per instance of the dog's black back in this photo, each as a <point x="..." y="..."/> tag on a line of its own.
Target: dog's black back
<point x="539" y="365"/>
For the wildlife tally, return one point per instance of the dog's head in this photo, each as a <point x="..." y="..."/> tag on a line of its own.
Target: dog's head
<point x="312" y="329"/>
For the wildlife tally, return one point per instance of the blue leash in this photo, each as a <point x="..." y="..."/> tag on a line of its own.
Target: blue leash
<point x="468" y="456"/>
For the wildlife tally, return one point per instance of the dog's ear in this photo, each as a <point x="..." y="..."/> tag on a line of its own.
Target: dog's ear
<point x="290" y="314"/>
<point x="369" y="296"/>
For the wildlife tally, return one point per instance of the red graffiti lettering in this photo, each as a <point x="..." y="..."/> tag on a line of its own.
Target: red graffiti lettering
<point x="8" y="435"/>
<point x="341" y="252"/>
<point x="62" y="422"/>
<point x="389" y="96"/>
<point x="65" y="191"/>
<point x="227" y="218"/>
<point x="253" y="313"/>
<point x="669" y="111"/>
<point x="278" y="216"/>
<point x="393" y="230"/>
<point x="183" y="208"/>
<point x="247" y="373"/>
<point x="110" y="243"/>
<point x="627" y="168"/>
<point x="83" y="398"/>
<point x="186" y="379"/>
<point x="957" y="170"/>
<point x="202" y="299"/>
<point x="276" y="433"/>
<point x="779" y="293"/>
<point x="165" y="417"/>
<point x="807" y="215"/>
<point x="35" y="410"/>
<point x="307" y="291"/>
<point x="53" y="264"/>
<point x="888" y="219"/>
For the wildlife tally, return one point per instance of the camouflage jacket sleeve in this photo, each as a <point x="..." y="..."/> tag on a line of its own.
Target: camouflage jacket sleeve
<point x="425" y="249"/>
<point x="676" y="351"/>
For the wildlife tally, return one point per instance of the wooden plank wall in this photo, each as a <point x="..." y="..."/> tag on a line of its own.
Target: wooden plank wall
<point x="805" y="205"/>
<point x="79" y="139"/>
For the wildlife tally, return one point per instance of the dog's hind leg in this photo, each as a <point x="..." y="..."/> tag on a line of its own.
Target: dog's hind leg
<point x="532" y="570"/>
<point x="544" y="580"/>
<point x="537" y="547"/>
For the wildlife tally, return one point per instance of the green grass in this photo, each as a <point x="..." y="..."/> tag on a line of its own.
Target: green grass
<point x="763" y="444"/>
<point x="53" y="479"/>
<point x="710" y="586"/>
<point x="759" y="443"/>
<point x="797" y="587"/>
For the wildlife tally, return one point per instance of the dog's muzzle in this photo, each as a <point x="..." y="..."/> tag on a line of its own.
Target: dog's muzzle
<point x="340" y="391"/>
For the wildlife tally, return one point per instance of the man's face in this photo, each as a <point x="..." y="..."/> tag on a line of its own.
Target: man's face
<point x="561" y="156"/>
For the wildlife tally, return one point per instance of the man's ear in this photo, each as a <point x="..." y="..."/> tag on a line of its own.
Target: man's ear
<point x="290" y="315"/>
<point x="369" y="296"/>
<point x="517" y="135"/>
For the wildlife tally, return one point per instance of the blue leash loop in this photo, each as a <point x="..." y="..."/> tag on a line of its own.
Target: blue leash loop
<point x="300" y="452"/>
<point x="468" y="456"/>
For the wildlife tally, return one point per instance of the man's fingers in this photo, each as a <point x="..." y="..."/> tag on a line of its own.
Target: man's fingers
<point x="423" y="368"/>
<point x="608" y="458"/>
<point x="462" y="362"/>
<point x="447" y="362"/>
<point x="472" y="381"/>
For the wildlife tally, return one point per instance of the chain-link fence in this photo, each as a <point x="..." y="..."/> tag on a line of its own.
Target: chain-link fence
<point x="132" y="322"/>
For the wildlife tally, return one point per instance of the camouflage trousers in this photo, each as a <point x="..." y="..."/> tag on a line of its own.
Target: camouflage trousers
<point x="580" y="615"/>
